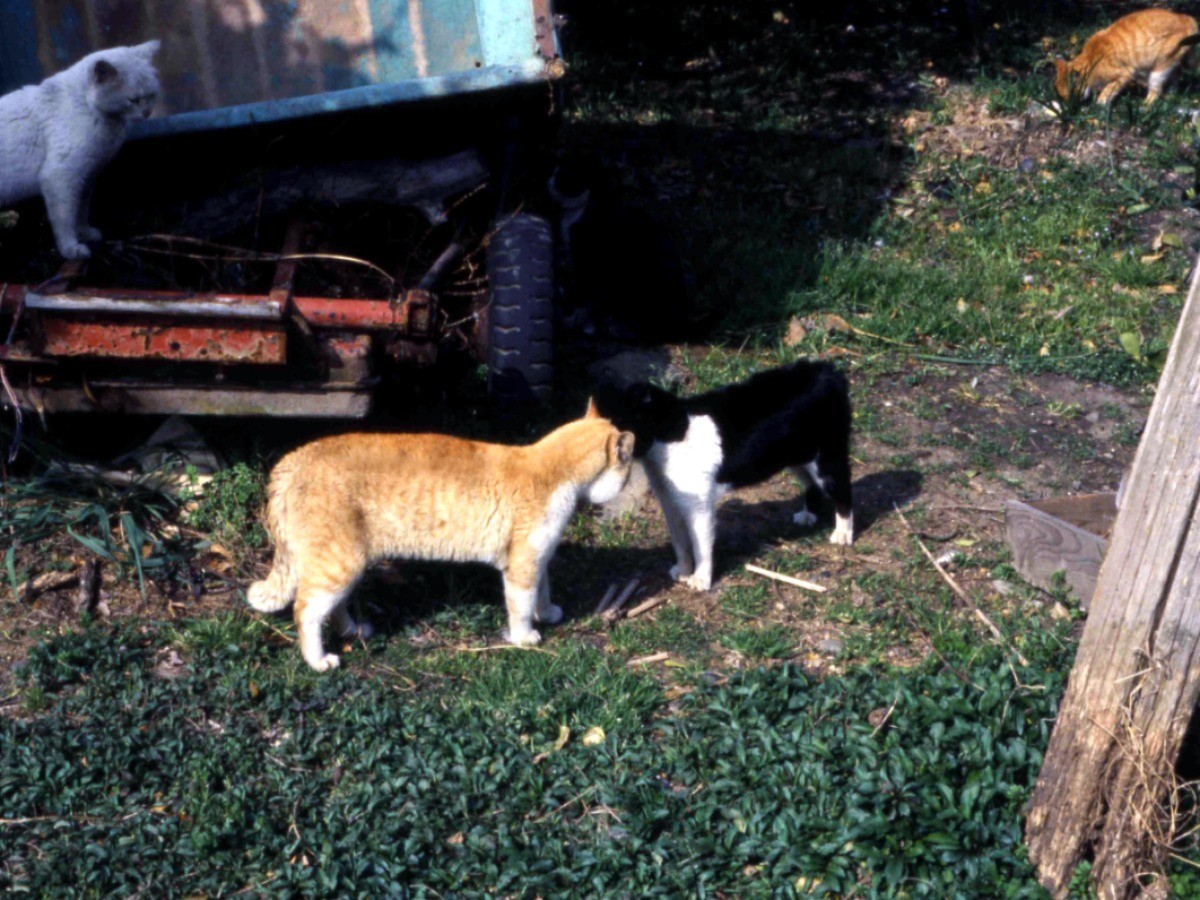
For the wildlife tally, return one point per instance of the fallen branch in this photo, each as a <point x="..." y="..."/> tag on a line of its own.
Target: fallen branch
<point x="786" y="579"/>
<point x="47" y="581"/>
<point x="954" y="586"/>
<point x="646" y="606"/>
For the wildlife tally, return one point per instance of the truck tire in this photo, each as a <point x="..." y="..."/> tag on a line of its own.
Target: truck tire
<point x="520" y="261"/>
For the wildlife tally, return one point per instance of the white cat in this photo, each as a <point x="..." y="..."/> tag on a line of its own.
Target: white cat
<point x="56" y="136"/>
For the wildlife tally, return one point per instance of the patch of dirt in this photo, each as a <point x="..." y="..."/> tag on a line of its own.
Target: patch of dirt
<point x="948" y="446"/>
<point x="1005" y="141"/>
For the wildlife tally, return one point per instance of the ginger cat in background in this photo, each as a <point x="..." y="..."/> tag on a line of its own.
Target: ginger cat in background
<point x="1151" y="43"/>
<point x="340" y="503"/>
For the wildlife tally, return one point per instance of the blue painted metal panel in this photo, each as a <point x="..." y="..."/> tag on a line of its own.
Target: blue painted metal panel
<point x="225" y="63"/>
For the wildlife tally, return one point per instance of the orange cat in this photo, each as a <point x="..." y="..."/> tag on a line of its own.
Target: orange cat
<point x="340" y="503"/>
<point x="1147" y="44"/>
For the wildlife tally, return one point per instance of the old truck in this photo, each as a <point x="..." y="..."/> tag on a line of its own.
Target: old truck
<point x="331" y="190"/>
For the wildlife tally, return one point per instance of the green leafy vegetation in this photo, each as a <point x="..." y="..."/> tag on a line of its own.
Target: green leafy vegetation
<point x="236" y="769"/>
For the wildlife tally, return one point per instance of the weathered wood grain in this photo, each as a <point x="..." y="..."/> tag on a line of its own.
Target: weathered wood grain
<point x="1136" y="677"/>
<point x="1061" y="534"/>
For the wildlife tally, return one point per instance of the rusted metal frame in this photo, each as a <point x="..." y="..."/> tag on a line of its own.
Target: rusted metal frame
<point x="285" y="277"/>
<point x="408" y="312"/>
<point x="142" y="337"/>
<point x="323" y="400"/>
<point x="134" y="303"/>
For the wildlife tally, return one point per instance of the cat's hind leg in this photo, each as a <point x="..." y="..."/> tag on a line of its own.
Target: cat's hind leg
<point x="804" y="517"/>
<point x="313" y="606"/>
<point x="834" y="479"/>
<point x="545" y="612"/>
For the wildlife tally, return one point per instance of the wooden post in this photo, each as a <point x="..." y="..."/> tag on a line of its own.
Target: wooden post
<point x="1109" y="768"/>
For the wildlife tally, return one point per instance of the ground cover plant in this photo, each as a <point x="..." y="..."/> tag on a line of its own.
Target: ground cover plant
<point x="864" y="184"/>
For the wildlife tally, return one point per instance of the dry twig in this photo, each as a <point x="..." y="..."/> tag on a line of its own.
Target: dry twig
<point x="646" y="605"/>
<point x="957" y="588"/>
<point x="786" y="579"/>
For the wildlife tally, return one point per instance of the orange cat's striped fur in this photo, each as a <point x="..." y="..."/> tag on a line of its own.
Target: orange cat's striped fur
<point x="340" y="503"/>
<point x="1148" y="44"/>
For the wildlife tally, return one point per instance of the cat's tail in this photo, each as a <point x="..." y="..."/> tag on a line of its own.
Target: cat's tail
<point x="278" y="589"/>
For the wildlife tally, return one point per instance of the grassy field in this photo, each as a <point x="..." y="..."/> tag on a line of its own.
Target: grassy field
<point x="1000" y="285"/>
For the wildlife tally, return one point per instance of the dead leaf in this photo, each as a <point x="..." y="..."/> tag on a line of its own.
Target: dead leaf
<point x="796" y="333"/>
<point x="1170" y="239"/>
<point x="1151" y="258"/>
<point x="564" y="735"/>
<point x="1168" y="289"/>
<point x="593" y="736"/>
<point x="834" y="322"/>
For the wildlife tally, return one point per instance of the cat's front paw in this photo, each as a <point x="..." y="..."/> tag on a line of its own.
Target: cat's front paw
<point x="551" y="615"/>
<point x="74" y="250"/>
<point x="806" y="518"/>
<point x="698" y="581"/>
<point x="326" y="662"/>
<point x="680" y="571"/>
<point x="528" y="637"/>
<point x="88" y="233"/>
<point x="842" y="535"/>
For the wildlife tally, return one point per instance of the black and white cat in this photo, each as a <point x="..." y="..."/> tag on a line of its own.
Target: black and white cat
<point x="56" y="136"/>
<point x="696" y="449"/>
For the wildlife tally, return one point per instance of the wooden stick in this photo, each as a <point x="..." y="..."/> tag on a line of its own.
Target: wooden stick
<point x="954" y="586"/>
<point x="47" y="581"/>
<point x="606" y="600"/>
<point x="615" y="610"/>
<point x="652" y="658"/>
<point x="786" y="579"/>
<point x="646" y="606"/>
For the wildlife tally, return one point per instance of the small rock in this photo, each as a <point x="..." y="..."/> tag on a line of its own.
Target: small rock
<point x="831" y="646"/>
<point x="1059" y="611"/>
<point x="1027" y="164"/>
<point x="710" y="678"/>
<point x="1093" y="416"/>
<point x="1002" y="587"/>
<point x="876" y="718"/>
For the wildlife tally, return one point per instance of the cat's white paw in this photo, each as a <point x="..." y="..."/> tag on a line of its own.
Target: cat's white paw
<point x="74" y="250"/>
<point x="805" y="518"/>
<point x="525" y="638"/>
<point x="88" y="233"/>
<point x="679" y="571"/>
<point x="698" y="581"/>
<point x="326" y="662"/>
<point x="552" y="616"/>
<point x="842" y="535"/>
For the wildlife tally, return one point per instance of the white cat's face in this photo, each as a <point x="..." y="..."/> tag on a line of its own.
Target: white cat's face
<point x="123" y="82"/>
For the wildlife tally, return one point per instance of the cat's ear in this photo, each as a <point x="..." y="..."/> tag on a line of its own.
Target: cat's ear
<point x="149" y="48"/>
<point x="104" y="72"/>
<point x="625" y="442"/>
<point x="591" y="412"/>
